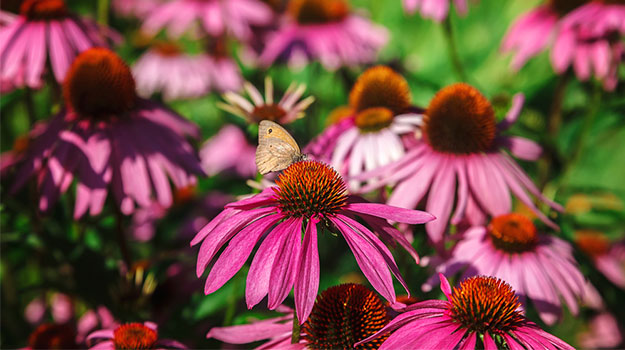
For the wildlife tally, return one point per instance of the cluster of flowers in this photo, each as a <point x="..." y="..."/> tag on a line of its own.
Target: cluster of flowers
<point x="453" y="158"/>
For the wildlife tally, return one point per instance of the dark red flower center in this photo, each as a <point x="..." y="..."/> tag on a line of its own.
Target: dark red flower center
<point x="53" y="336"/>
<point x="513" y="233"/>
<point x="562" y="7"/>
<point x="167" y="48"/>
<point x="44" y="9"/>
<point x="485" y="304"/>
<point x="344" y="315"/>
<point x="318" y="11"/>
<point x="380" y="86"/>
<point x="134" y="336"/>
<point x="374" y="119"/>
<point x="459" y="120"/>
<point x="594" y="243"/>
<point x="271" y="112"/>
<point x="309" y="188"/>
<point x="99" y="84"/>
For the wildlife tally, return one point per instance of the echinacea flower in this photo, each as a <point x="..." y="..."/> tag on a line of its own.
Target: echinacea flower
<point x="240" y="156"/>
<point x="342" y="316"/>
<point x="584" y="35"/>
<point x="107" y="136"/>
<point x="324" y="30"/>
<point x="538" y="266"/>
<point x="608" y="258"/>
<point x="462" y="145"/>
<point x="604" y="333"/>
<point x="217" y="17"/>
<point x="288" y="109"/>
<point x="131" y="336"/>
<point x="380" y="100"/>
<point x="435" y="9"/>
<point x="44" y="30"/>
<point x="306" y="193"/>
<point x="482" y="313"/>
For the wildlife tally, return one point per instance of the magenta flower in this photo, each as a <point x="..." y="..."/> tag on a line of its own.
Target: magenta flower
<point x="239" y="158"/>
<point x="482" y="313"/>
<point x="462" y="145"/>
<point x="322" y="146"/>
<point x="306" y="193"/>
<point x="236" y="17"/>
<point x="107" y="136"/>
<point x="131" y="336"/>
<point x="608" y="257"/>
<point x="539" y="267"/>
<point x="44" y="28"/>
<point x="435" y="9"/>
<point x="323" y="30"/>
<point x="586" y="38"/>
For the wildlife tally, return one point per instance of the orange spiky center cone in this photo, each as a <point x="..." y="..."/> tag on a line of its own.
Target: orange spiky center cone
<point x="134" y="336"/>
<point x="44" y="9"/>
<point x="513" y="233"/>
<point x="318" y="11"/>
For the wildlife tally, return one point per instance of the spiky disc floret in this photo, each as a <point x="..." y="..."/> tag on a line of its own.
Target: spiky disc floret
<point x="310" y="188"/>
<point x="486" y="304"/>
<point x="134" y="336"/>
<point x="344" y="315"/>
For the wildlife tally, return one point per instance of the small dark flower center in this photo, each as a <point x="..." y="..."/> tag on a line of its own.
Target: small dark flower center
<point x="271" y="112"/>
<point x="318" y="11"/>
<point x="99" y="84"/>
<point x="167" y="49"/>
<point x="459" y="120"/>
<point x="485" y="304"/>
<point x="53" y="336"/>
<point x="374" y="119"/>
<point x="593" y="243"/>
<point x="134" y="336"/>
<point x="44" y="9"/>
<point x="344" y="315"/>
<point x="513" y="233"/>
<point x="380" y="86"/>
<point x="310" y="188"/>
<point x="562" y="7"/>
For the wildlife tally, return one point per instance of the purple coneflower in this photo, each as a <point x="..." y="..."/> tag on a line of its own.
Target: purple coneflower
<point x="323" y="30"/>
<point x="107" y="136"/>
<point x="131" y="336"/>
<point x="306" y="193"/>
<point x="287" y="110"/>
<point x="462" y="145"/>
<point x="608" y="257"/>
<point x="435" y="9"/>
<point x="585" y="35"/>
<point x="217" y="17"/>
<point x="342" y="316"/>
<point x="240" y="156"/>
<point x="538" y="266"/>
<point x="604" y="333"/>
<point x="482" y="313"/>
<point x="44" y="28"/>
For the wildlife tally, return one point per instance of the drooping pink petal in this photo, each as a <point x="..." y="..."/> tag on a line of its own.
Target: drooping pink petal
<point x="307" y="281"/>
<point x="285" y="265"/>
<point x="391" y="213"/>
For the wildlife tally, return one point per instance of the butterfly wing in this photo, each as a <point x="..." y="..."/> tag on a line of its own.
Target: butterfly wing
<point x="276" y="148"/>
<point x="268" y="129"/>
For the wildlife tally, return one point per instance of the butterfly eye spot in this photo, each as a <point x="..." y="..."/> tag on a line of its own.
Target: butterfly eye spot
<point x="269" y="131"/>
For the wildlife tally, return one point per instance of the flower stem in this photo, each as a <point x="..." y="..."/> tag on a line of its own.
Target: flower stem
<point x="103" y="12"/>
<point x="121" y="239"/>
<point x="296" y="330"/>
<point x="452" y="50"/>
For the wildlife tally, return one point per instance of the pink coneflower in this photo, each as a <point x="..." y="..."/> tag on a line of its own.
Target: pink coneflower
<point x="131" y="336"/>
<point x="586" y="35"/>
<point x="239" y="158"/>
<point x="435" y="9"/>
<point x="216" y="17"/>
<point x="107" y="136"/>
<point x="321" y="147"/>
<point x="462" y="144"/>
<point x="608" y="258"/>
<point x="324" y="30"/>
<point x="604" y="333"/>
<point x="380" y="101"/>
<point x="44" y="28"/>
<point x="342" y="316"/>
<point x="287" y="110"/>
<point x="306" y="193"/>
<point x="538" y="266"/>
<point x="482" y="313"/>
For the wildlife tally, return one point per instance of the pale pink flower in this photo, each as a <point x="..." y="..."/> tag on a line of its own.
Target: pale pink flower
<point x="587" y="38"/>
<point x="239" y="157"/>
<point x="323" y="30"/>
<point x="482" y="313"/>
<point x="217" y="17"/>
<point x="131" y="336"/>
<point x="604" y="333"/>
<point x="437" y="10"/>
<point x="108" y="137"/>
<point x="461" y="162"/>
<point x="306" y="193"/>
<point x="540" y="267"/>
<point x="45" y="32"/>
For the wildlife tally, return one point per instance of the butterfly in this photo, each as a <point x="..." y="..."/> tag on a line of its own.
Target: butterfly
<point x="276" y="149"/>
